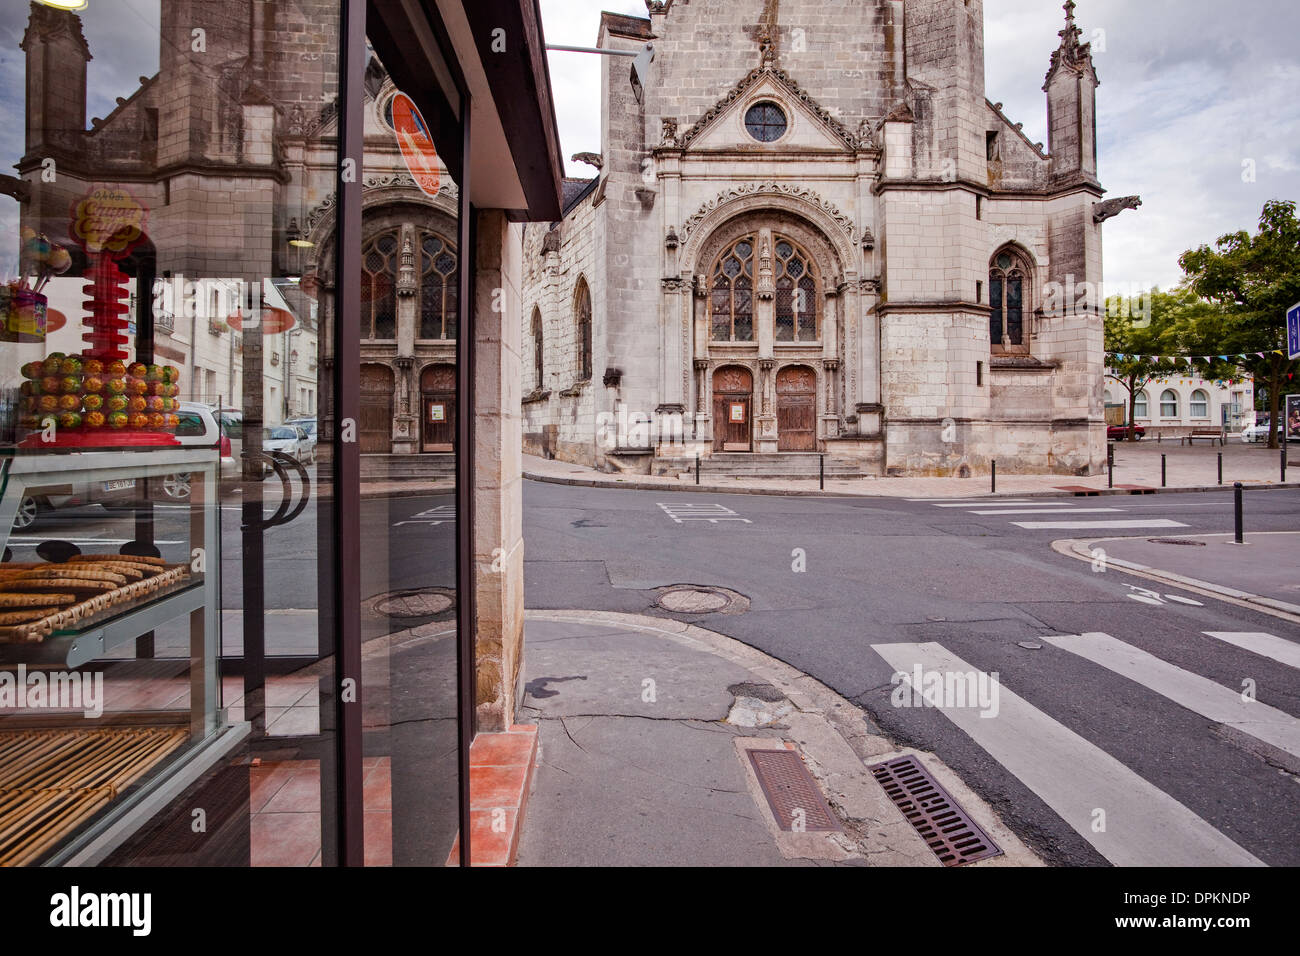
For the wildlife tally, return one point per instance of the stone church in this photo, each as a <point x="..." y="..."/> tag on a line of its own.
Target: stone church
<point x="811" y="232"/>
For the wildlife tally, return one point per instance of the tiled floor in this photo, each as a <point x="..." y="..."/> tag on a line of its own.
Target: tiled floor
<point x="500" y="769"/>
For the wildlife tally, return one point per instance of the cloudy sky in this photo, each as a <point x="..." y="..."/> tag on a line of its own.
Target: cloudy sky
<point x="1191" y="90"/>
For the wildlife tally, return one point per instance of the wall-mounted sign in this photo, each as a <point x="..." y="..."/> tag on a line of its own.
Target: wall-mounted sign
<point x="418" y="151"/>
<point x="437" y="413"/>
<point x="738" y="413"/>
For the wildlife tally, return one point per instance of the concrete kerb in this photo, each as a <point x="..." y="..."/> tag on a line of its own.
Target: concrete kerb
<point x="716" y="489"/>
<point x="837" y="745"/>
<point x="1083" y="550"/>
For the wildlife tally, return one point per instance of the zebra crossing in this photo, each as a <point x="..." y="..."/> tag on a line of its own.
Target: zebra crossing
<point x="1059" y="514"/>
<point x="1079" y="780"/>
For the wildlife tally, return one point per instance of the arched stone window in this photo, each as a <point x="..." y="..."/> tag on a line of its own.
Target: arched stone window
<point x="379" y="287"/>
<point x="731" y="299"/>
<point x="1169" y="404"/>
<point x="439" y="287"/>
<point x="582" y="312"/>
<point x="1200" y="404"/>
<point x="537" y="348"/>
<point x="1140" y="404"/>
<point x="1010" y="285"/>
<point x="796" y="293"/>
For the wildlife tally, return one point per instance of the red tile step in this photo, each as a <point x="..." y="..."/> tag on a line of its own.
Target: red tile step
<point x="1136" y="489"/>
<point x="500" y="773"/>
<point x="1079" y="491"/>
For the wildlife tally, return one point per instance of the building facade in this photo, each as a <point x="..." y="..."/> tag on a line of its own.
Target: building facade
<point x="811" y="232"/>
<point x="1174" y="404"/>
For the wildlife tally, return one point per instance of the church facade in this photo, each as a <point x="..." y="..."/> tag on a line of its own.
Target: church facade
<point x="812" y="233"/>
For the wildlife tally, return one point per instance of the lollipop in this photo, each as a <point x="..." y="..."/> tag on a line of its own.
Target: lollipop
<point x="93" y="403"/>
<point x="153" y="403"/>
<point x="137" y="370"/>
<point x="157" y="420"/>
<point x="117" y="386"/>
<point x="93" y="367"/>
<point x="117" y="420"/>
<point x="95" y="419"/>
<point x="70" y="366"/>
<point x="48" y="403"/>
<point x="158" y="388"/>
<point x="33" y="370"/>
<point x="117" y="369"/>
<point x="69" y="420"/>
<point x="156" y="373"/>
<point x="173" y="421"/>
<point x="70" y="384"/>
<point x="116" y="403"/>
<point x="54" y="364"/>
<point x="139" y="421"/>
<point x="50" y="385"/>
<point x="94" y="384"/>
<point x="137" y="387"/>
<point x="70" y="403"/>
<point x="136" y="404"/>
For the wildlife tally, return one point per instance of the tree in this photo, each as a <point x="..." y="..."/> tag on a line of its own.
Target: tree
<point x="1141" y="335"/>
<point x="1255" y="280"/>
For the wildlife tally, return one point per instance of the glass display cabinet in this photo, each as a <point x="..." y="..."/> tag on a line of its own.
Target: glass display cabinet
<point x="110" y="695"/>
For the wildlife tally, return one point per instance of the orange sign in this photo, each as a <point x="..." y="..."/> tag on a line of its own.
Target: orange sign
<point x="108" y="219"/>
<point x="418" y="151"/>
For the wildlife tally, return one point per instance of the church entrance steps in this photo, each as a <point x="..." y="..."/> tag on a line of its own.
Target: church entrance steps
<point x="780" y="465"/>
<point x="407" y="467"/>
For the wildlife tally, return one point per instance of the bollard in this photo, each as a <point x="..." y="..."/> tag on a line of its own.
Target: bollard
<point x="994" y="476"/>
<point x="1110" y="466"/>
<point x="1237" y="508"/>
<point x="697" y="469"/>
<point x="1283" y="459"/>
<point x="821" y="472"/>
<point x="1220" y="467"/>
<point x="1162" y="470"/>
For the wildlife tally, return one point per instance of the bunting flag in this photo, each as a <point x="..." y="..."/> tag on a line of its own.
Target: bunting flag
<point x="1191" y="359"/>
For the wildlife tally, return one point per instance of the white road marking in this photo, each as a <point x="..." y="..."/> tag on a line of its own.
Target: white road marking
<point x="1053" y="511"/>
<point x="1144" y="825"/>
<point x="442" y="514"/>
<point x="692" y="512"/>
<point x="999" y="504"/>
<point x="1101" y="525"/>
<point x="1198" y="694"/>
<point x="1265" y="645"/>
<point x="24" y="542"/>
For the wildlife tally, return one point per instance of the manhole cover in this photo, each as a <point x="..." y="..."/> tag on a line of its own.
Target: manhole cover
<point x="701" y="599"/>
<point x="417" y="602"/>
<point x="1185" y="542"/>
<point x="954" y="837"/>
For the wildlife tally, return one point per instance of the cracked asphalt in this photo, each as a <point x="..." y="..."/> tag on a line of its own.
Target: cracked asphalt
<point x="881" y="571"/>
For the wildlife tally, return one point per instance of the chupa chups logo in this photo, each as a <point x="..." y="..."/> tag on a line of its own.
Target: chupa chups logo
<point x="418" y="151"/>
<point x="108" y="220"/>
<point x="75" y="909"/>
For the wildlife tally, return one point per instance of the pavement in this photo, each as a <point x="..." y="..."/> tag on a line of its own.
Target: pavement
<point x="1187" y="468"/>
<point x="645" y="725"/>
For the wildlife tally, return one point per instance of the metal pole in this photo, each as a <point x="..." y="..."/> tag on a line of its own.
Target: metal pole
<point x="1162" y="471"/>
<point x="1220" y="467"/>
<point x="697" y="469"/>
<point x="1237" y="509"/>
<point x="1283" y="457"/>
<point x="1110" y="466"/>
<point x="821" y="475"/>
<point x="994" y="476"/>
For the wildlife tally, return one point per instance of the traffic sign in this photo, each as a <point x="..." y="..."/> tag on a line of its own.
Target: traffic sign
<point x="1293" y="331"/>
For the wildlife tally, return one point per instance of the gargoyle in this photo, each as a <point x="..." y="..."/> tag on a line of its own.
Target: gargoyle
<point x="1113" y="207"/>
<point x="591" y="159"/>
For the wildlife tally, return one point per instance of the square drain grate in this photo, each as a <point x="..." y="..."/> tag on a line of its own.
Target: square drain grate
<point x="791" y="791"/>
<point x="954" y="837"/>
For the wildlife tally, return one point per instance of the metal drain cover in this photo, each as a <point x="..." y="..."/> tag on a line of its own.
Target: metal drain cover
<point x="791" y="792"/>
<point x="954" y="837"/>
<point x="416" y="602"/>
<point x="1185" y="542"/>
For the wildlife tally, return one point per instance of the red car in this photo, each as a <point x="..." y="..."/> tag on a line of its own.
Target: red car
<point x="1120" y="432"/>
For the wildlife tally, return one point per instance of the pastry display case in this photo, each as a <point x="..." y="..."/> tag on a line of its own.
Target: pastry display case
<point x="109" y="645"/>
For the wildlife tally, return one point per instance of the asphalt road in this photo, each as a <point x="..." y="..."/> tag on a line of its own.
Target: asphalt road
<point x="884" y="572"/>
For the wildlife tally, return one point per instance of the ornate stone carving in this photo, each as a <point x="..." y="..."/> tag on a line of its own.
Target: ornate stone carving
<point x="789" y="87"/>
<point x="671" y="283"/>
<point x="670" y="133"/>
<point x="1113" y="207"/>
<point x="591" y="159"/>
<point x="406" y="284"/>
<point x="868" y="240"/>
<point x="766" y="288"/>
<point x="757" y="189"/>
<point x="671" y="241"/>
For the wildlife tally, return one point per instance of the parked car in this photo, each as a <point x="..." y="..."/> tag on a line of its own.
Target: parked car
<point x="309" y="426"/>
<point x="198" y="428"/>
<point x="1258" y="432"/>
<point x="116" y="495"/>
<point x="292" y="440"/>
<point x="1120" y="432"/>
